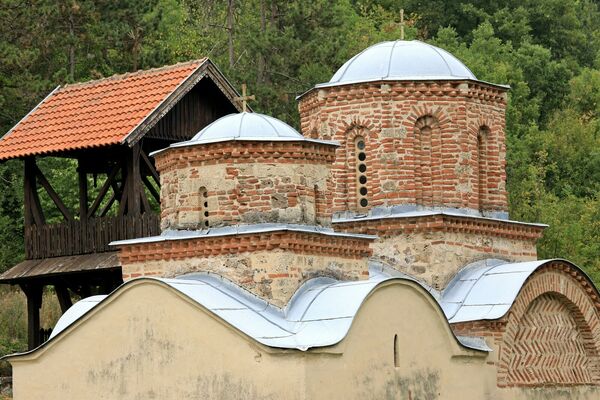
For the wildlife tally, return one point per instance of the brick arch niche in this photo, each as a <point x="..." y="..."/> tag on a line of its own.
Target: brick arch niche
<point x="356" y="175"/>
<point x="428" y="161"/>
<point x="483" y="172"/>
<point x="552" y="334"/>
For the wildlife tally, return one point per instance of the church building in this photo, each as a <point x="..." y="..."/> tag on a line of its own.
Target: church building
<point x="369" y="256"/>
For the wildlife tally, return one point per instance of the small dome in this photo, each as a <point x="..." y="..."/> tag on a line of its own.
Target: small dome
<point x="401" y="60"/>
<point x="246" y="126"/>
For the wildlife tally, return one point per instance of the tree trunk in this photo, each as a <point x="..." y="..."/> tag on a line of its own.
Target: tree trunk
<point x="230" y="10"/>
<point x="71" y="47"/>
<point x="261" y="75"/>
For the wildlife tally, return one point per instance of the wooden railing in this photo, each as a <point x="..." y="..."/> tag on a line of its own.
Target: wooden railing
<point x="93" y="236"/>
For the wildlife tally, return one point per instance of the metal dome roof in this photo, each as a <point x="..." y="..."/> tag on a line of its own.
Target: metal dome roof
<point x="401" y="60"/>
<point x="247" y="126"/>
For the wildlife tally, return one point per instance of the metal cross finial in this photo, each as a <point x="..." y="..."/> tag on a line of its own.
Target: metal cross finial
<point x="244" y="98"/>
<point x="402" y="24"/>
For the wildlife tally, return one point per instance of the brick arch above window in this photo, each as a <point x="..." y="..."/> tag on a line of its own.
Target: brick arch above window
<point x="421" y="113"/>
<point x="424" y="121"/>
<point x="357" y="126"/>
<point x="552" y="333"/>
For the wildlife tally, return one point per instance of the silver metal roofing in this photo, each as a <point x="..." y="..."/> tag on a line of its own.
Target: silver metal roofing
<point x="168" y="235"/>
<point x="246" y="126"/>
<point x="75" y="312"/>
<point x="319" y="314"/>
<point x="407" y="211"/>
<point x="401" y="60"/>
<point x="486" y="290"/>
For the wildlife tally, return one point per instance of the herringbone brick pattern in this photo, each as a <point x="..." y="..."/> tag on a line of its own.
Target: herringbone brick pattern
<point x="552" y="333"/>
<point x="549" y="346"/>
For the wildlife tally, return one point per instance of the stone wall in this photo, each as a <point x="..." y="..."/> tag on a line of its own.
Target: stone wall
<point x="434" y="248"/>
<point x="430" y="144"/>
<point x="244" y="182"/>
<point x="436" y="257"/>
<point x="271" y="265"/>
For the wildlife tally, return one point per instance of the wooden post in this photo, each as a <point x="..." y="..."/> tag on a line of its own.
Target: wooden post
<point x="64" y="299"/>
<point x="33" y="208"/>
<point x="34" y="304"/>
<point x="136" y="182"/>
<point x="83" y="204"/>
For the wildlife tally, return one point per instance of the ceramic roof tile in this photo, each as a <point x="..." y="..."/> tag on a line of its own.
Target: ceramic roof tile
<point x="93" y="114"/>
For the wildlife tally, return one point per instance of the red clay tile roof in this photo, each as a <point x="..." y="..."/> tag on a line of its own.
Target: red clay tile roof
<point x="93" y="114"/>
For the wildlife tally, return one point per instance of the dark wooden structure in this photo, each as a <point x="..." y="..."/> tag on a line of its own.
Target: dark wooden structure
<point x="74" y="255"/>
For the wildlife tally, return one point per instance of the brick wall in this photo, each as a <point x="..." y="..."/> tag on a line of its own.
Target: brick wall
<point x="423" y="143"/>
<point x="245" y="182"/>
<point x="271" y="265"/>
<point x="551" y="335"/>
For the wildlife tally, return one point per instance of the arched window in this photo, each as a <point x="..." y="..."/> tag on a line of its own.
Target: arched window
<point x="361" y="172"/>
<point x="428" y="162"/>
<point x="203" y="207"/>
<point x="482" y="166"/>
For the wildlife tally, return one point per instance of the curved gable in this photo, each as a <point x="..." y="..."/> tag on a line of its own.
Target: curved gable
<point x="486" y="290"/>
<point x="552" y="333"/>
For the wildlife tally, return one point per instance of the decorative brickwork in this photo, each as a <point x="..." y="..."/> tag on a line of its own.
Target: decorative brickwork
<point x="297" y="242"/>
<point x="236" y="182"/>
<point x="272" y="264"/>
<point x="386" y="227"/>
<point x="421" y="142"/>
<point x="551" y="335"/>
<point x="551" y="345"/>
<point x="285" y="152"/>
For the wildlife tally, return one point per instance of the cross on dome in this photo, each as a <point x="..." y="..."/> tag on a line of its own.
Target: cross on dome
<point x="244" y="98"/>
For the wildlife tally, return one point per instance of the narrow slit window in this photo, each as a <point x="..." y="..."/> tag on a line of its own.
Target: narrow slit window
<point x="396" y="360"/>
<point x="204" y="214"/>
<point x="361" y="172"/>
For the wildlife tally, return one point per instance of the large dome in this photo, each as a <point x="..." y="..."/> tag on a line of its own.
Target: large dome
<point x="401" y="60"/>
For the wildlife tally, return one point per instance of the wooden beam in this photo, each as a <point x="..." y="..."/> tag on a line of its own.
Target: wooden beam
<point x="108" y="205"/>
<point x="103" y="190"/>
<point x="83" y="192"/>
<point x="151" y="189"/>
<point x="28" y="221"/>
<point x="134" y="206"/>
<point x="52" y="193"/>
<point x="124" y="200"/>
<point x="34" y="304"/>
<point x="150" y="166"/>
<point x="144" y="198"/>
<point x="64" y="298"/>
<point x="32" y="197"/>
